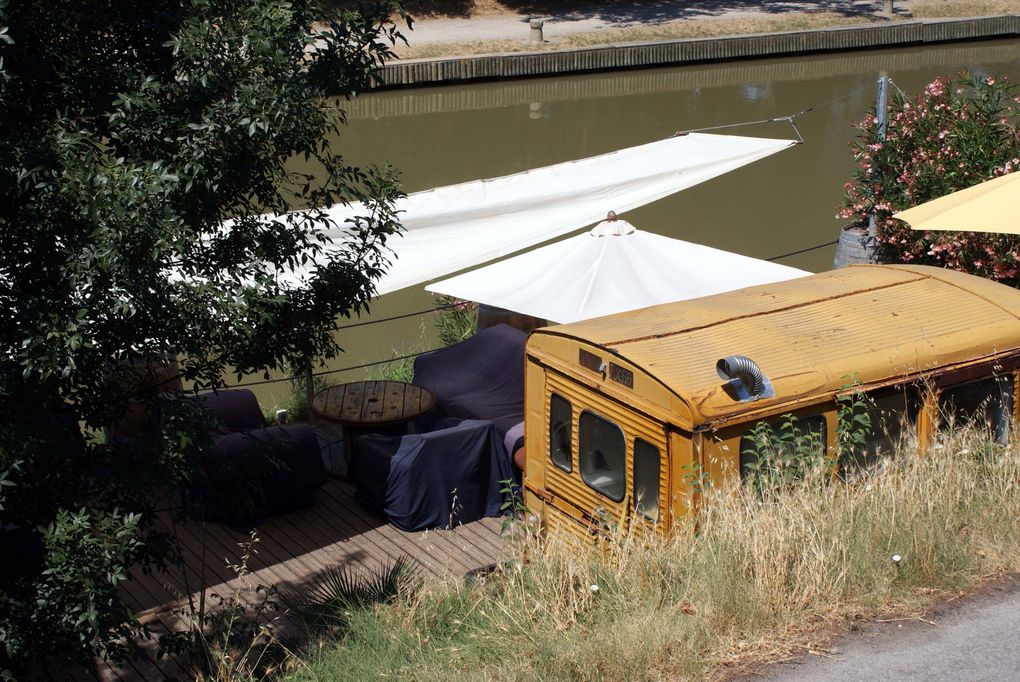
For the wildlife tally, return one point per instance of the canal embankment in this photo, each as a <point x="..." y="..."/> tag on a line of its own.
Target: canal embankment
<point x="687" y="51"/>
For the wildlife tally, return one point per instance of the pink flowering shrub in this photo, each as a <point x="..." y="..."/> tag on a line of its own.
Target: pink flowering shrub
<point x="952" y="136"/>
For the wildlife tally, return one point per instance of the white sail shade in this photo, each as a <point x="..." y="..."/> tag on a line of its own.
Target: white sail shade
<point x="452" y="228"/>
<point x="611" y="269"/>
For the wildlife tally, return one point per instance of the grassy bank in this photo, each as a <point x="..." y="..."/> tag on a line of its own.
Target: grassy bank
<point x="703" y="26"/>
<point x="755" y="582"/>
<point x="710" y="27"/>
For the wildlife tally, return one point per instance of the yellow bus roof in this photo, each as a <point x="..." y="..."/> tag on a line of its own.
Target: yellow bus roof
<point x="809" y="335"/>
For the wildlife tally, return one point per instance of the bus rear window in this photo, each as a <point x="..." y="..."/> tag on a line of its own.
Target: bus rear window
<point x="559" y="432"/>
<point x="646" y="479"/>
<point x="602" y="455"/>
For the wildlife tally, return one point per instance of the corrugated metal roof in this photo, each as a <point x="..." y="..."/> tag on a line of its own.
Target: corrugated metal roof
<point x="810" y="334"/>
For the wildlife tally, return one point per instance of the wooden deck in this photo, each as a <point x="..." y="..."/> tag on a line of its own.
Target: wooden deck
<point x="292" y="550"/>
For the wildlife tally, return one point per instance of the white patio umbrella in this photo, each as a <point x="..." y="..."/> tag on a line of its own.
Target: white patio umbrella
<point x="611" y="269"/>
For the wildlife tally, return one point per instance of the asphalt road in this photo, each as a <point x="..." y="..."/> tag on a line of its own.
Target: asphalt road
<point x="976" y="640"/>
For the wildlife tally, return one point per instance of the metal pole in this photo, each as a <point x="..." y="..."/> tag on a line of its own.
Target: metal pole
<point x="882" y="105"/>
<point x="881" y="116"/>
<point x="309" y="392"/>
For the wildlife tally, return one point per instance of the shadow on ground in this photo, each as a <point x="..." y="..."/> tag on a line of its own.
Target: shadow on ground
<point x="624" y="12"/>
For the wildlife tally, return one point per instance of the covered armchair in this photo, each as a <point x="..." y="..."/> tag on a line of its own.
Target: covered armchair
<point x="443" y="478"/>
<point x="277" y="468"/>
<point x="479" y="378"/>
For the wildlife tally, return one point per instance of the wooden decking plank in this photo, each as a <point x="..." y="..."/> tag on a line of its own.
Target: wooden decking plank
<point x="266" y="554"/>
<point x="446" y="542"/>
<point x="141" y="591"/>
<point x="400" y="538"/>
<point x="346" y="509"/>
<point x="393" y="551"/>
<point x="155" y="583"/>
<point x="478" y="552"/>
<point x="383" y="540"/>
<point x="435" y="542"/>
<point x="364" y="533"/>
<point x="194" y="535"/>
<point x="478" y="556"/>
<point x="339" y="538"/>
<point x="142" y="667"/>
<point x="226" y="579"/>
<point x="353" y="535"/>
<point x="169" y="665"/>
<point x="480" y="537"/>
<point x="195" y="539"/>
<point x="293" y="549"/>
<point x="287" y="546"/>
<point x="451" y="557"/>
<point x="484" y="537"/>
<point x="108" y="671"/>
<point x="324" y="553"/>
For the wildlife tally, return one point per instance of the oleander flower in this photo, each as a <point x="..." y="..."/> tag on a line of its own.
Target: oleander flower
<point x="955" y="134"/>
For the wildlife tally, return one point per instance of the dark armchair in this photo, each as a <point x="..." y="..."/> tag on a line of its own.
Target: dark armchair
<point x="443" y="478"/>
<point x="479" y="378"/>
<point x="277" y="468"/>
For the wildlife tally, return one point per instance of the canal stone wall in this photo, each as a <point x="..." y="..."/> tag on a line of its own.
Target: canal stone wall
<point x="415" y="102"/>
<point x="614" y="56"/>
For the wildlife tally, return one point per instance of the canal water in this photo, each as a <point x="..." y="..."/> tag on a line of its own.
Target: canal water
<point x="785" y="203"/>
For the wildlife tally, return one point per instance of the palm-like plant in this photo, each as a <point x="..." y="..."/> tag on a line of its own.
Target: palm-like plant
<point x="340" y="590"/>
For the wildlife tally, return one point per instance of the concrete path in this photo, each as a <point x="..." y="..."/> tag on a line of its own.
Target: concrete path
<point x="978" y="640"/>
<point x="601" y="16"/>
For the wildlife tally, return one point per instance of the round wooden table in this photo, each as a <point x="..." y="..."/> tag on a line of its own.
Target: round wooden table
<point x="371" y="407"/>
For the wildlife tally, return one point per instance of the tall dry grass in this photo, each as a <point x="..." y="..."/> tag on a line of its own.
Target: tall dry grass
<point x="754" y="580"/>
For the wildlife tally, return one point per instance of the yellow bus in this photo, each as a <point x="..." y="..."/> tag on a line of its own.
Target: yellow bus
<point x="626" y="413"/>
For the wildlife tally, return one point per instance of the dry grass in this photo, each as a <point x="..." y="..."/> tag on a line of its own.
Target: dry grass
<point x="687" y="28"/>
<point x="707" y="27"/>
<point x="962" y="8"/>
<point x="757" y="581"/>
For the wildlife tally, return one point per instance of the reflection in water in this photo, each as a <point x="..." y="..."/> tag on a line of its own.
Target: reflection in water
<point x="538" y="110"/>
<point x="940" y="59"/>
<point x="445" y="135"/>
<point x="756" y="91"/>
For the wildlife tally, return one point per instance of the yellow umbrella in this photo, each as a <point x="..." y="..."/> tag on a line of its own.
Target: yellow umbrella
<point x="992" y="206"/>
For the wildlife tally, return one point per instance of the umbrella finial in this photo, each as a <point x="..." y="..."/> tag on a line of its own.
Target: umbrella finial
<point x="611" y="216"/>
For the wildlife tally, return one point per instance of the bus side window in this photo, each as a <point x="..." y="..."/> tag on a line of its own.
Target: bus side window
<point x="782" y="447"/>
<point x="985" y="403"/>
<point x="893" y="418"/>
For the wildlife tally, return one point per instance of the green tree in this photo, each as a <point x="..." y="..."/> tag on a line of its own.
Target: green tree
<point x="142" y="146"/>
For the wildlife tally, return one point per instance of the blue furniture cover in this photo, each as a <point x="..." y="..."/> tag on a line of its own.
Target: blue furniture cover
<point x="479" y="378"/>
<point x="427" y="480"/>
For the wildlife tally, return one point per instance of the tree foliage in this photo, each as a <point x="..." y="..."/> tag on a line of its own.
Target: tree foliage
<point x="953" y="135"/>
<point x="149" y="192"/>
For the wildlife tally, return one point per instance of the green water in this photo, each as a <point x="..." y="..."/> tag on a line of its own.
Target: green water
<point x="445" y="135"/>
